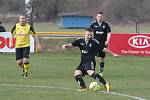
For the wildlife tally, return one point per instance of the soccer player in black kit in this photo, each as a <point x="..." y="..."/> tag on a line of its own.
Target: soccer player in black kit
<point x="88" y="47"/>
<point x="102" y="33"/>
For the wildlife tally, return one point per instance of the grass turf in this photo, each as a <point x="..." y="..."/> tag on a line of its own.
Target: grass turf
<point x="48" y="27"/>
<point x="127" y="75"/>
<point x="54" y="71"/>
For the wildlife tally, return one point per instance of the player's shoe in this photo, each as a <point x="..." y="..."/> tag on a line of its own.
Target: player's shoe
<point x="25" y="75"/>
<point x="107" y="86"/>
<point x="82" y="89"/>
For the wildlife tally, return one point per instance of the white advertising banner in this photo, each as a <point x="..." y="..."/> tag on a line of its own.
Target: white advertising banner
<point x="5" y="43"/>
<point x="130" y="44"/>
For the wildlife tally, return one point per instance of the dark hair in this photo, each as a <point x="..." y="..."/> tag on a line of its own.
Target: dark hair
<point x="89" y="29"/>
<point x="100" y="12"/>
<point x="0" y="22"/>
<point x="23" y="15"/>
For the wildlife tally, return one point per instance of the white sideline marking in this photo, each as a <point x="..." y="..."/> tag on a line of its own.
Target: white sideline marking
<point x="34" y="86"/>
<point x="63" y="88"/>
<point x="125" y="95"/>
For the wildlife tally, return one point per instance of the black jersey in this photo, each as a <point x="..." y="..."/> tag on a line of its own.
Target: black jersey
<point x="100" y="30"/>
<point x="88" y="50"/>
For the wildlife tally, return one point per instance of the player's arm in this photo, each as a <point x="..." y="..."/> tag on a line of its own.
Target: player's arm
<point x="108" y="38"/>
<point x="32" y="32"/>
<point x="13" y="31"/>
<point x="108" y="34"/>
<point x="70" y="45"/>
<point x="97" y="46"/>
<point x="67" y="46"/>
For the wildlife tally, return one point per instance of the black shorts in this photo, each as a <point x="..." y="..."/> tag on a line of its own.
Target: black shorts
<point x="22" y="53"/>
<point x="100" y="52"/>
<point x="85" y="67"/>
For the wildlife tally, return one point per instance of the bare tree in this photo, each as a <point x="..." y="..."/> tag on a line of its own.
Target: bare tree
<point x="115" y="10"/>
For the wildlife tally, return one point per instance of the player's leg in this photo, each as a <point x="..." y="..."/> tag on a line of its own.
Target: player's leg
<point x="19" y="58"/>
<point x="99" y="79"/>
<point x="96" y="76"/>
<point x="20" y="63"/>
<point x="26" y="51"/>
<point x="26" y="66"/>
<point x="93" y="64"/>
<point x="101" y="55"/>
<point x="78" y="77"/>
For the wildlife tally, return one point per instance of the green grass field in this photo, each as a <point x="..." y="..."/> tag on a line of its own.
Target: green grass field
<point x="51" y="78"/>
<point x="51" y="74"/>
<point x="49" y="27"/>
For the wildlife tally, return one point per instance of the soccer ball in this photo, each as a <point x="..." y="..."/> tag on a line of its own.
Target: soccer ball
<point x="94" y="86"/>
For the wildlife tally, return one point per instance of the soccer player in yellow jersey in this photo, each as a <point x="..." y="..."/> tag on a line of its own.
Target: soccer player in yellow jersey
<point x="22" y="31"/>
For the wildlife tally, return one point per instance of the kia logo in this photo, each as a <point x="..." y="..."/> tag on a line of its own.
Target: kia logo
<point x="139" y="41"/>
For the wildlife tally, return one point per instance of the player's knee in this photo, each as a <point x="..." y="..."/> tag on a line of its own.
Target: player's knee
<point x="90" y="72"/>
<point x="25" y="60"/>
<point x="19" y="62"/>
<point x="96" y="75"/>
<point x="77" y="72"/>
<point x="77" y="77"/>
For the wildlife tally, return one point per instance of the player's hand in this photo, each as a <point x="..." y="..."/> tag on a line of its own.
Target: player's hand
<point x="11" y="46"/>
<point x="106" y="45"/>
<point x="39" y="47"/>
<point x="106" y="42"/>
<point x="11" y="43"/>
<point x="64" y="46"/>
<point x="105" y="50"/>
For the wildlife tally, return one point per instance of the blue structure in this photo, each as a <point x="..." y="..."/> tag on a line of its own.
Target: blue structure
<point x="75" y="21"/>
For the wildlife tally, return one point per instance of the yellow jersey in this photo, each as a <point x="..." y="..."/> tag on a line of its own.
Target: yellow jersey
<point x="22" y="34"/>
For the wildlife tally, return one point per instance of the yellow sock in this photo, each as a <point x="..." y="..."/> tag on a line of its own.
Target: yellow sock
<point x="22" y="66"/>
<point x="26" y="67"/>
